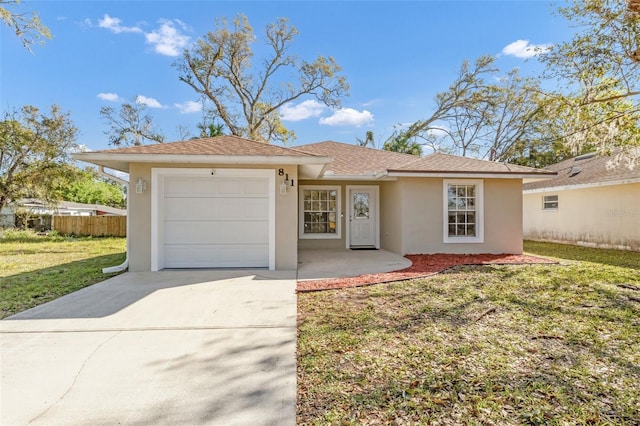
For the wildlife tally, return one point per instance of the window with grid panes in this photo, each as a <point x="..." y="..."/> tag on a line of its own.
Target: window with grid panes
<point x="320" y="212"/>
<point x="463" y="212"/>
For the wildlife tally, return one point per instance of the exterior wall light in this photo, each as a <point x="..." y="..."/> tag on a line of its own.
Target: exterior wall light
<point x="141" y="186"/>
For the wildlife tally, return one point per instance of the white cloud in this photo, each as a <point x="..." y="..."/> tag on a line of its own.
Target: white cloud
<point x="302" y="111"/>
<point x="167" y="39"/>
<point x="109" y="97"/>
<point x="372" y="102"/>
<point x="150" y="102"/>
<point x="523" y="49"/>
<point x="114" y="25"/>
<point x="80" y="148"/>
<point x="189" y="107"/>
<point x="348" y="117"/>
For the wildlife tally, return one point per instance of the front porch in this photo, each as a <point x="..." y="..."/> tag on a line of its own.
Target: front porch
<point x="314" y="264"/>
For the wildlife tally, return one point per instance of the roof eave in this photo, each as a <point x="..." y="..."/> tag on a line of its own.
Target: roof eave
<point x="474" y="174"/>
<point x="121" y="161"/>
<point x="374" y="175"/>
<point x="582" y="185"/>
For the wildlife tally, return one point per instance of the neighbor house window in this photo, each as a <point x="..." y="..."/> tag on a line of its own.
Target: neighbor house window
<point x="319" y="211"/>
<point x="463" y="201"/>
<point x="550" y="202"/>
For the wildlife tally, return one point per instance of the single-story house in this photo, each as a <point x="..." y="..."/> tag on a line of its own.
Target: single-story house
<point x="592" y="201"/>
<point x="233" y="202"/>
<point x="62" y="208"/>
<point x="68" y="208"/>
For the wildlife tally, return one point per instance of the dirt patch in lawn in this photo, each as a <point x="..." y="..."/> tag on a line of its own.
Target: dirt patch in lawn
<point x="423" y="265"/>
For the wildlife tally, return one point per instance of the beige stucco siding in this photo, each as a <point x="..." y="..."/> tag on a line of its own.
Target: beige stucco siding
<point x="332" y="243"/>
<point x="286" y="255"/>
<point x="412" y="217"/>
<point x="423" y="217"/>
<point x="391" y="216"/>
<point x="606" y="216"/>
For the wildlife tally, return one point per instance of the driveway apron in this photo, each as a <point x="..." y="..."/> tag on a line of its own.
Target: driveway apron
<point x="172" y="347"/>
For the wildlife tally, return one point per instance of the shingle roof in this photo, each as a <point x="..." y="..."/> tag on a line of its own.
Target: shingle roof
<point x="354" y="159"/>
<point x="347" y="160"/>
<point x="587" y="169"/>
<point x="220" y="145"/>
<point x="439" y="162"/>
<point x="357" y="160"/>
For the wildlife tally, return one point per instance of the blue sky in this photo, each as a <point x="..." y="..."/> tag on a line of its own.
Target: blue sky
<point x="396" y="56"/>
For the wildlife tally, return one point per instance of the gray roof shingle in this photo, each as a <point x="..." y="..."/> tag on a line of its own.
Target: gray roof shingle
<point x="357" y="160"/>
<point x="587" y="169"/>
<point x="220" y="145"/>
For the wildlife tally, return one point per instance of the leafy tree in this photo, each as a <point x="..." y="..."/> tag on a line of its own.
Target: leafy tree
<point x="494" y="118"/>
<point x="463" y="93"/>
<point x="368" y="140"/>
<point x="130" y="126"/>
<point x="210" y="130"/>
<point x="35" y="151"/>
<point x="598" y="72"/>
<point x="219" y="68"/>
<point x="89" y="188"/>
<point x="27" y="26"/>
<point x="404" y="144"/>
<point x="209" y="127"/>
<point x="477" y="117"/>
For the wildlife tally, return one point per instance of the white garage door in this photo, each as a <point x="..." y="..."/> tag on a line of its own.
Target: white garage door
<point x="215" y="222"/>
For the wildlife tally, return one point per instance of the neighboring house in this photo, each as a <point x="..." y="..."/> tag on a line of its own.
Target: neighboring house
<point x="7" y="217"/>
<point x="232" y="202"/>
<point x="68" y="208"/>
<point x="62" y="208"/>
<point x="592" y="201"/>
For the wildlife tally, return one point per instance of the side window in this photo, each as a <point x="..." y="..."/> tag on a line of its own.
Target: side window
<point x="550" y="202"/>
<point x="463" y="207"/>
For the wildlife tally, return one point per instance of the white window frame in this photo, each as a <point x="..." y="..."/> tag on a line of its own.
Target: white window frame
<point x="479" y="237"/>
<point x="545" y="202"/>
<point x="326" y="236"/>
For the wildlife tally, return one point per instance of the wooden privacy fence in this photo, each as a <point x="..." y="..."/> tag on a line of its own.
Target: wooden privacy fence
<point x="97" y="226"/>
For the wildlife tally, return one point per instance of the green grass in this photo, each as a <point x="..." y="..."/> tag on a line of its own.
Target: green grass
<point x="537" y="344"/>
<point x="36" y="269"/>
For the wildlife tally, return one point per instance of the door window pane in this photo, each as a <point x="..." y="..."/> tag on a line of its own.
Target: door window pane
<point x="361" y="205"/>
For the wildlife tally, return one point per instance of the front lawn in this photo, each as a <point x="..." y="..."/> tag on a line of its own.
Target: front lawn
<point x="538" y="344"/>
<point x="36" y="269"/>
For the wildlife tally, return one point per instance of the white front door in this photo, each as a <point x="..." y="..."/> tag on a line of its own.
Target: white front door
<point x="363" y="216"/>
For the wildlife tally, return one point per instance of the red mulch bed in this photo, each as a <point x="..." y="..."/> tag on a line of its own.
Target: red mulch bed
<point x="424" y="265"/>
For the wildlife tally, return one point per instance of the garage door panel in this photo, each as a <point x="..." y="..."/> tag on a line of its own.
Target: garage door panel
<point x="219" y="232"/>
<point x="204" y="209"/>
<point x="216" y="221"/>
<point x="220" y="256"/>
<point x="186" y="187"/>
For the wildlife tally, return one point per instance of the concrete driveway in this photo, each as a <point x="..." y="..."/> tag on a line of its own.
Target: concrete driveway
<point x="173" y="347"/>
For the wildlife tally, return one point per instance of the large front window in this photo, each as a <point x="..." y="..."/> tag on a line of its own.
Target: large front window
<point x="320" y="212"/>
<point x="463" y="211"/>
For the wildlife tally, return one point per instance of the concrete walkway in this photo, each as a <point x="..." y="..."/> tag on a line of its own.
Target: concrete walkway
<point x="316" y="264"/>
<point x="179" y="348"/>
